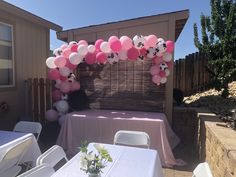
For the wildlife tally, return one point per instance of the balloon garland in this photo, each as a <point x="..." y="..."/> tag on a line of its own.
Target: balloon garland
<point x="67" y="57"/>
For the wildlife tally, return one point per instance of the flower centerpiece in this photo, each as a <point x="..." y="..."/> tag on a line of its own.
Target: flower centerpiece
<point x="93" y="163"/>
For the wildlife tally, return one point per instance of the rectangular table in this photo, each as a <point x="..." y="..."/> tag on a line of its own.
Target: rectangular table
<point x="127" y="162"/>
<point x="101" y="126"/>
<point x="8" y="139"/>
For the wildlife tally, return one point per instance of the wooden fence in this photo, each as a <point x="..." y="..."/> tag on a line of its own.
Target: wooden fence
<point x="39" y="96"/>
<point x="190" y="74"/>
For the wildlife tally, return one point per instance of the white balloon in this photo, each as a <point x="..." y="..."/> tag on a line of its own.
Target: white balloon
<point x="61" y="119"/>
<point x="57" y="51"/>
<point x="75" y="58"/>
<point x="50" y="63"/>
<point x="91" y="48"/>
<point x="161" y="48"/>
<point x="72" y="43"/>
<point x="167" y="71"/>
<point x="105" y="47"/>
<point x="64" y="71"/>
<point x="163" y="80"/>
<point x="62" y="106"/>
<point x="139" y="41"/>
<point x="113" y="58"/>
<point x="151" y="52"/>
<point x="122" y="54"/>
<point x="160" y="40"/>
<point x="82" y="50"/>
<point x="167" y="57"/>
<point x="58" y="82"/>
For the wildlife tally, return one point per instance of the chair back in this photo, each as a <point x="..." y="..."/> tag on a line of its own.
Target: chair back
<point x="14" y="154"/>
<point x="29" y="127"/>
<point x="39" y="171"/>
<point x="132" y="138"/>
<point x="52" y="156"/>
<point x="202" y="170"/>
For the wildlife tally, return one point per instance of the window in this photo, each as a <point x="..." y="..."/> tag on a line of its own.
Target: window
<point x="7" y="78"/>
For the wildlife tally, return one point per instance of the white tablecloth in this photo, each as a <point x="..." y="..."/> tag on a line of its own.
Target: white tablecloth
<point x="127" y="162"/>
<point x="8" y="139"/>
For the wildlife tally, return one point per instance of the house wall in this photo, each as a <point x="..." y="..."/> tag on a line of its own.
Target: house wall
<point x="31" y="48"/>
<point x="127" y="85"/>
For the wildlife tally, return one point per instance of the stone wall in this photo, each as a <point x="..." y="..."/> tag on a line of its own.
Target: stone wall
<point x="217" y="146"/>
<point x="212" y="141"/>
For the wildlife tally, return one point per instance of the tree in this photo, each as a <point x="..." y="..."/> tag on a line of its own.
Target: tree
<point x="219" y="43"/>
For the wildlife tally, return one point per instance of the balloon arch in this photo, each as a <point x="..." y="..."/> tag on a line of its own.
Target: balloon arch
<point x="67" y="57"/>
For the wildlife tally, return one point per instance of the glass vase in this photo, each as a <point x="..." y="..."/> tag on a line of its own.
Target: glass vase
<point x="94" y="175"/>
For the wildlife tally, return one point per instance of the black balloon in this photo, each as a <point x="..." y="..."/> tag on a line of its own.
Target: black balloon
<point x="78" y="100"/>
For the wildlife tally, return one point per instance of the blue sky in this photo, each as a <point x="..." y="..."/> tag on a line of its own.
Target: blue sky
<point x="77" y="13"/>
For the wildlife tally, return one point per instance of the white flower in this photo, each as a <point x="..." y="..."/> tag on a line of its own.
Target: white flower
<point x="90" y="157"/>
<point x="92" y="167"/>
<point x="83" y="161"/>
<point x="99" y="147"/>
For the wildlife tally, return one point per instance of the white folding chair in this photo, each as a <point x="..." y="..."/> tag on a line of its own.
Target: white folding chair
<point x="39" y="171"/>
<point x="202" y="170"/>
<point x="52" y="156"/>
<point x="132" y="138"/>
<point x="29" y="127"/>
<point x="9" y="164"/>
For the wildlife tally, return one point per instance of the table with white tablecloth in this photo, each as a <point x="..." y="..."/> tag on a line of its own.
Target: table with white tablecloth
<point x="127" y="162"/>
<point x="8" y="139"/>
<point x="101" y="126"/>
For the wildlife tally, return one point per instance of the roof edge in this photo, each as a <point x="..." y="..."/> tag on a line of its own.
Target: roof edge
<point x="12" y="9"/>
<point x="149" y="16"/>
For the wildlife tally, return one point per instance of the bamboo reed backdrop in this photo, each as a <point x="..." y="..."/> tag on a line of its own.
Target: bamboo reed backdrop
<point x="39" y="98"/>
<point x="190" y="74"/>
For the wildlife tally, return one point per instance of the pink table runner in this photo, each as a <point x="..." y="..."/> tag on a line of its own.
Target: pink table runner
<point x="101" y="126"/>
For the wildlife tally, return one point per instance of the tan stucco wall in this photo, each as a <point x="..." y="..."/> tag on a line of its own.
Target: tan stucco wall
<point x="31" y="48"/>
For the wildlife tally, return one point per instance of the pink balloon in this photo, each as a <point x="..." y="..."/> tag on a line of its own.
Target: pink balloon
<point x="60" y="61"/>
<point x="74" y="47"/>
<point x="162" y="73"/>
<point x="151" y="40"/>
<point x="154" y="70"/>
<point x="101" y="57"/>
<point x="54" y="74"/>
<point x="115" y="45"/>
<point x="122" y="54"/>
<point x="126" y="42"/>
<point x="51" y="115"/>
<point x="157" y="60"/>
<point x="90" y="58"/>
<point x="66" y="52"/>
<point x="156" y="79"/>
<point x="63" y="78"/>
<point x="56" y="95"/>
<point x="65" y="87"/>
<point x="113" y="38"/>
<point x="75" y="86"/>
<point x="170" y="64"/>
<point x="143" y="52"/>
<point x="64" y="46"/>
<point x="170" y="46"/>
<point x="132" y="53"/>
<point x="69" y="65"/>
<point x="83" y="42"/>
<point x="98" y="43"/>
